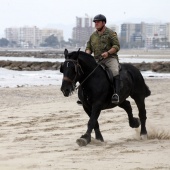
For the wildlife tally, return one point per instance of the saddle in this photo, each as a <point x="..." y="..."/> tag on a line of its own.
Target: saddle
<point x="109" y="73"/>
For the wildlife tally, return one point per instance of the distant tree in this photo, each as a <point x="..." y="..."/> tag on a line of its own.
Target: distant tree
<point x="4" y="42"/>
<point x="74" y="42"/>
<point x="50" y="41"/>
<point x="64" y="43"/>
<point x="13" y="43"/>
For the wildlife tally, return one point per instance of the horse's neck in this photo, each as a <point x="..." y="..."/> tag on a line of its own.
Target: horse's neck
<point x="88" y="63"/>
<point x="93" y="75"/>
<point x="91" y="71"/>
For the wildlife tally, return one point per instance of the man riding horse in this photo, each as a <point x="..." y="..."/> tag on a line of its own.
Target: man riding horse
<point x="104" y="44"/>
<point x="94" y="91"/>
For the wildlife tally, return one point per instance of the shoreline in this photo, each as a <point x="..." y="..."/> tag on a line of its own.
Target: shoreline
<point x="158" y="66"/>
<point x="58" y="53"/>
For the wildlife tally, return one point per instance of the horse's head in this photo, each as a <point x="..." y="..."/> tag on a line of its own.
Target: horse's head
<point x="70" y="72"/>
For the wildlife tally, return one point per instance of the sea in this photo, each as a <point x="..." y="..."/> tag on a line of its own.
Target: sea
<point x="11" y="78"/>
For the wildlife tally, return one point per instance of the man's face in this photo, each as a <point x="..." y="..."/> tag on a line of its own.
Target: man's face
<point x="99" y="25"/>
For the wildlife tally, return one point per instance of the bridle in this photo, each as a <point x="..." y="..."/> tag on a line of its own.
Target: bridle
<point x="77" y="71"/>
<point x="77" y="65"/>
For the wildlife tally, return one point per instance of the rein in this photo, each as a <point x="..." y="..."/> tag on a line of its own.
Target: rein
<point x="87" y="76"/>
<point x="76" y="64"/>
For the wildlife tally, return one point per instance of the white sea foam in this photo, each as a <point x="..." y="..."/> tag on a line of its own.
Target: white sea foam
<point x="10" y="78"/>
<point x="31" y="59"/>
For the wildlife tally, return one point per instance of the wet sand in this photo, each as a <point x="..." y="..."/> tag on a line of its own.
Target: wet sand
<point x="39" y="128"/>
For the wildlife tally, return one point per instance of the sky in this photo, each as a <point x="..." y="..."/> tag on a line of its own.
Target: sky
<point x="61" y="14"/>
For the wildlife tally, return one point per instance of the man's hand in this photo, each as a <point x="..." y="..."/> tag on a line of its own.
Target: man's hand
<point x="105" y="54"/>
<point x="88" y="51"/>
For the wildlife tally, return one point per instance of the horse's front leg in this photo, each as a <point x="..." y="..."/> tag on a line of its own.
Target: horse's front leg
<point x="97" y="131"/>
<point x="86" y="138"/>
<point x="98" y="134"/>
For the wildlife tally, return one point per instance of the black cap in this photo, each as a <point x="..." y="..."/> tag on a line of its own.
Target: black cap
<point x="99" y="17"/>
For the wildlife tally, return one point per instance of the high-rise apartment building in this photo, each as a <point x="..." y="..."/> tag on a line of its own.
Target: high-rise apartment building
<point x="12" y="34"/>
<point x="154" y="32"/>
<point x="132" y="34"/>
<point x="31" y="36"/>
<point x="143" y="34"/>
<point x="84" y="28"/>
<point x="168" y="32"/>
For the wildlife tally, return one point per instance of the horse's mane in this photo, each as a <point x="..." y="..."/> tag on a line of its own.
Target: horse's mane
<point x="87" y="58"/>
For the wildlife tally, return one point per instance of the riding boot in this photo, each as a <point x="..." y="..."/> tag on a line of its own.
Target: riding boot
<point x="115" y="97"/>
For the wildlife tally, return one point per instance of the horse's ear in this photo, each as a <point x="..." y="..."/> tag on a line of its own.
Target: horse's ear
<point x="66" y="53"/>
<point x="78" y="52"/>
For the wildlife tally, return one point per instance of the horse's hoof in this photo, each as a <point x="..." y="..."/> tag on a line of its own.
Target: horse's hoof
<point x="101" y="140"/>
<point x="81" y="142"/>
<point x="144" y="137"/>
<point x="137" y="122"/>
<point x="134" y="122"/>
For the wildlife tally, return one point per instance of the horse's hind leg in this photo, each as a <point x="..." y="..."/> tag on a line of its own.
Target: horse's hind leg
<point x="140" y="102"/>
<point x="133" y="122"/>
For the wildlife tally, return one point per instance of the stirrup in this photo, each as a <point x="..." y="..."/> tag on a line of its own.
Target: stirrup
<point x="117" y="101"/>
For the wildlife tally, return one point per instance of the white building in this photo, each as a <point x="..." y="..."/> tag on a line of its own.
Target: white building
<point x="154" y="32"/>
<point x="115" y="28"/>
<point x="31" y="36"/>
<point x="83" y="29"/>
<point x="168" y="32"/>
<point x="149" y="34"/>
<point x="47" y="32"/>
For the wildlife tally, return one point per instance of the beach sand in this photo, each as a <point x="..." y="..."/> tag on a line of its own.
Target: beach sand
<point x="39" y="128"/>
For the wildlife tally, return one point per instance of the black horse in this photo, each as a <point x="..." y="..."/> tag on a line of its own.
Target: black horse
<point x="95" y="91"/>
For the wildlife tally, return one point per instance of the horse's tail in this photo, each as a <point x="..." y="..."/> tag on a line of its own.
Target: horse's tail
<point x="146" y="88"/>
<point x="138" y="76"/>
<point x="147" y="91"/>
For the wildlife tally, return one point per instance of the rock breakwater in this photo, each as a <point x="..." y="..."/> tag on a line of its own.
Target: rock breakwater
<point x="29" y="66"/>
<point x="161" y="67"/>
